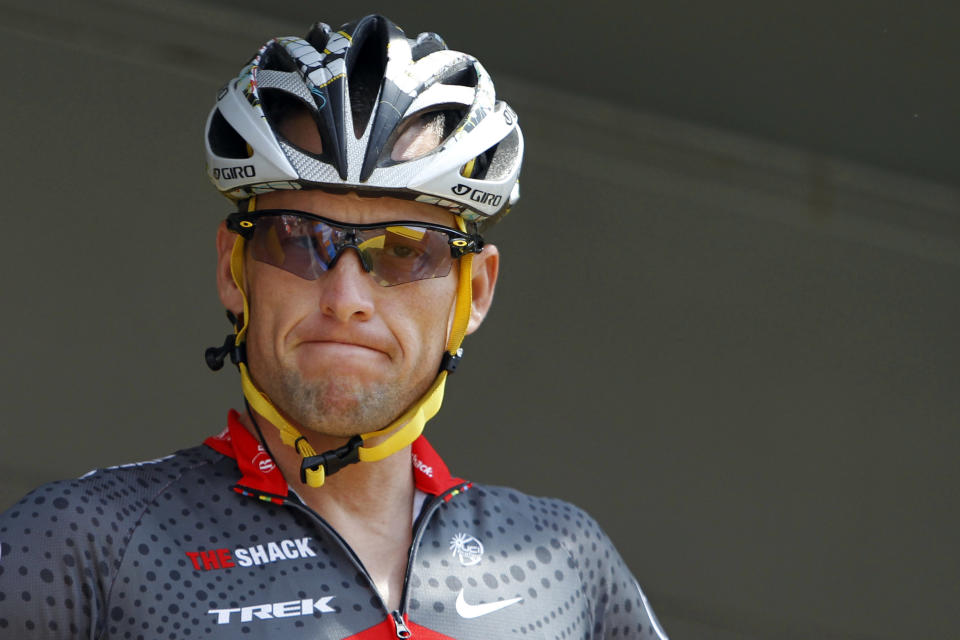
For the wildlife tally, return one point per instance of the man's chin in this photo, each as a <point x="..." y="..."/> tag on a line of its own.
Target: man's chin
<point x="343" y="404"/>
<point x="342" y="409"/>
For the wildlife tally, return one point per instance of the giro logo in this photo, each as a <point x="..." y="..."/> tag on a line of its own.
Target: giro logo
<point x="467" y="549"/>
<point x="271" y="610"/>
<point x="234" y="173"/>
<point x="509" y="115"/>
<point x="483" y="197"/>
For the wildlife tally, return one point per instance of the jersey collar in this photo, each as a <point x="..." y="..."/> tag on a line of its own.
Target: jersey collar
<point x="260" y="474"/>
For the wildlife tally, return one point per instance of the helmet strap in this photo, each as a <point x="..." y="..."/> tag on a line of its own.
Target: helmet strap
<point x="400" y="433"/>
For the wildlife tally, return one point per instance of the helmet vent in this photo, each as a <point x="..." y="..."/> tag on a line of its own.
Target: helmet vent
<point x="277" y="58"/>
<point x="420" y="134"/>
<point x="319" y="36"/>
<point x="501" y="158"/>
<point x="292" y="120"/>
<point x="465" y="77"/>
<point x="224" y="139"/>
<point x="366" y="65"/>
<point x="425" y="44"/>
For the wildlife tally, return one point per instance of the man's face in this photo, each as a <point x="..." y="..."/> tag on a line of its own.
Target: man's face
<point x="342" y="354"/>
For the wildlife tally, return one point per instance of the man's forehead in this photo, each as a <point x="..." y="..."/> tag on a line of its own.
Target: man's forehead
<point x="359" y="208"/>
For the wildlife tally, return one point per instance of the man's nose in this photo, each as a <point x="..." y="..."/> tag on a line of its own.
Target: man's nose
<point x="346" y="288"/>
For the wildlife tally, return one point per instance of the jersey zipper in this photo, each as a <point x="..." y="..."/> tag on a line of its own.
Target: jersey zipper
<point x="419" y="527"/>
<point x="403" y="631"/>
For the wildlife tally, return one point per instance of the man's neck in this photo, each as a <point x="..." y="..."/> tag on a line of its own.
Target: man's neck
<point x="370" y="504"/>
<point x="363" y="490"/>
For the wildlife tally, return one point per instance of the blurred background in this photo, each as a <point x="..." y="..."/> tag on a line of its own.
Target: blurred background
<point x="727" y="315"/>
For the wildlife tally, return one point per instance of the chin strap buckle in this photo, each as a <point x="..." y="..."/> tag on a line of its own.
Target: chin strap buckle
<point x="451" y="361"/>
<point x="216" y="355"/>
<point x="333" y="460"/>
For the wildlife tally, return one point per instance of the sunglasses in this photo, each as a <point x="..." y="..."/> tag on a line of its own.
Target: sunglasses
<point x="308" y="245"/>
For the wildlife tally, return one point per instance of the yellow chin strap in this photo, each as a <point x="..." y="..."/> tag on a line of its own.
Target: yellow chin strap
<point x="401" y="432"/>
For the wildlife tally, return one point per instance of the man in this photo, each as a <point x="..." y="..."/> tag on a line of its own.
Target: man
<point x="364" y="166"/>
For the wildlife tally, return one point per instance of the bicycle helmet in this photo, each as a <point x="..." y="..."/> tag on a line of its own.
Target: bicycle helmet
<point x="364" y="87"/>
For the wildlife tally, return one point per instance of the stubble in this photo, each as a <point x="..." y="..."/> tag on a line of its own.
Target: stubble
<point x="338" y="406"/>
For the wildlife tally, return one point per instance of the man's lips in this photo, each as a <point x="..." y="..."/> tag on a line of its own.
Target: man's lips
<point x="319" y="337"/>
<point x="345" y="346"/>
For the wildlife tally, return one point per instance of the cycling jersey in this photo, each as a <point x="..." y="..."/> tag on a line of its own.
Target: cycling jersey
<point x="211" y="543"/>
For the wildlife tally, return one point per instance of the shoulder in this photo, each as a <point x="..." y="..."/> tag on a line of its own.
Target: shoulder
<point x="547" y="526"/>
<point x="61" y="545"/>
<point x="118" y="490"/>
<point x="558" y="518"/>
<point x="548" y="530"/>
<point x="102" y="505"/>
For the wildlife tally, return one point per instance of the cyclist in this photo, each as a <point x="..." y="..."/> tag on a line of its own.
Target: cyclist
<point x="364" y="166"/>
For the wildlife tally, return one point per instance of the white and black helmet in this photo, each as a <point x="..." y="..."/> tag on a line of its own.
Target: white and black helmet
<point x="365" y="86"/>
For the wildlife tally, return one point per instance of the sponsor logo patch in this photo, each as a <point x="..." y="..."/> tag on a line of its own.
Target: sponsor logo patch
<point x="422" y="466"/>
<point x="263" y="460"/>
<point x="290" y="549"/>
<point x="465" y="610"/>
<point x="272" y="610"/>
<point x="467" y="549"/>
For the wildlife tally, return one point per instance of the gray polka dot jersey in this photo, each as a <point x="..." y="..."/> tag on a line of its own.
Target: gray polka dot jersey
<point x="211" y="543"/>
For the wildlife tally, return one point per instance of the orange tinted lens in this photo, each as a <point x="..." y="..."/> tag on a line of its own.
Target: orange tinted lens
<point x="393" y="254"/>
<point x="400" y="254"/>
<point x="297" y="245"/>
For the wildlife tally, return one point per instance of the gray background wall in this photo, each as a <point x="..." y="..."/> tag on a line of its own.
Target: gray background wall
<point x="727" y="314"/>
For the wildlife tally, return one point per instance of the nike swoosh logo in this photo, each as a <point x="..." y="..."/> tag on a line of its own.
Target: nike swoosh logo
<point x="476" y="610"/>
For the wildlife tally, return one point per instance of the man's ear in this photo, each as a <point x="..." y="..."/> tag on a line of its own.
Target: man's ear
<point x="486" y="265"/>
<point x="230" y="295"/>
